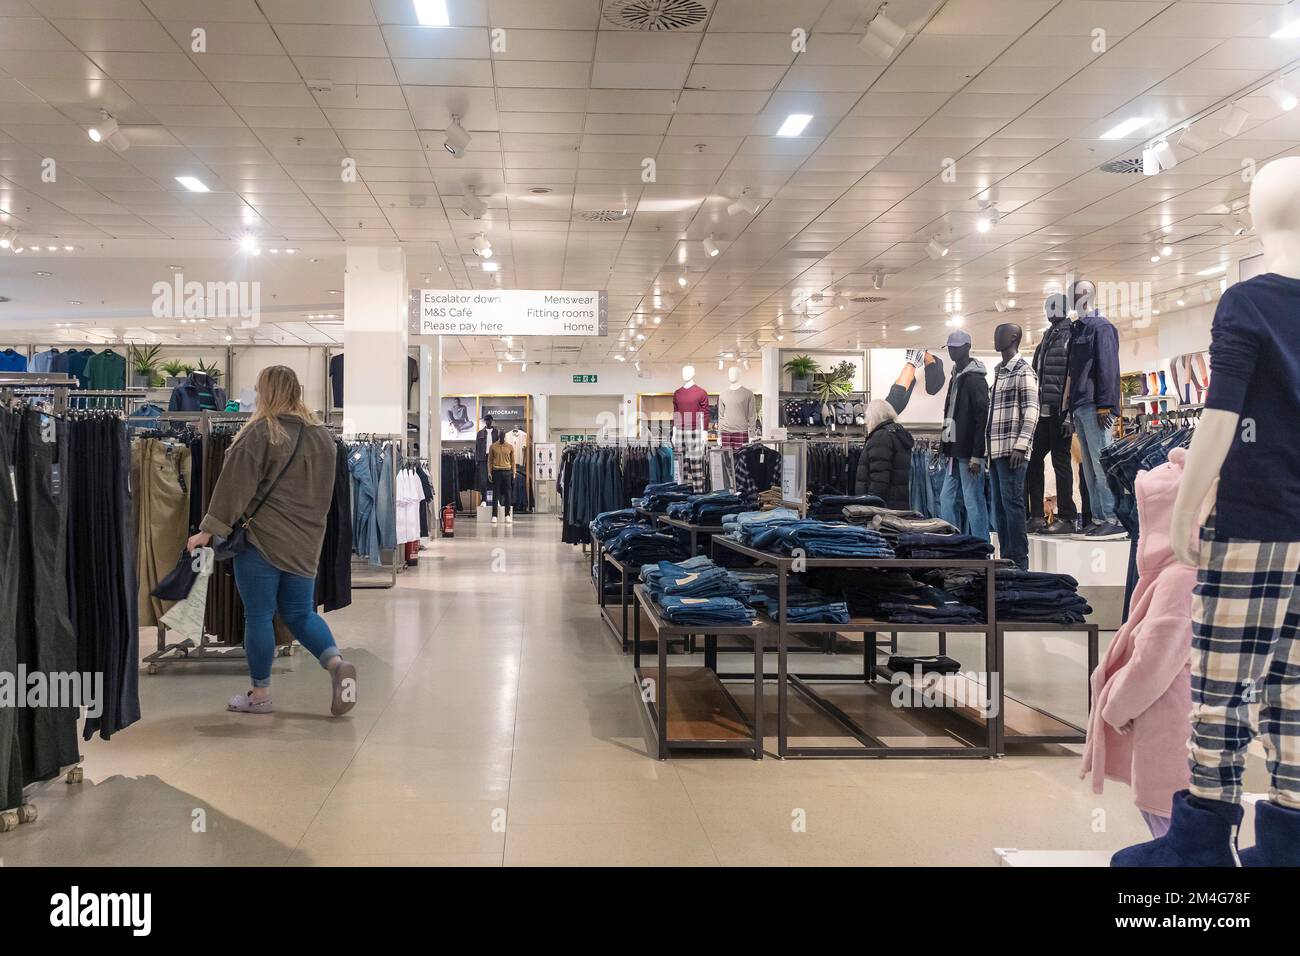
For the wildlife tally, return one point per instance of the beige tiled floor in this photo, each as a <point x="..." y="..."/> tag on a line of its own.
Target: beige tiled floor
<point x="498" y="724"/>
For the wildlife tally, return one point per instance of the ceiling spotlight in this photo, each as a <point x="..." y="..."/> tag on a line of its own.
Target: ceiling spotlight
<point x="658" y="319"/>
<point x="987" y="220"/>
<point x="911" y="328"/>
<point x="1165" y="155"/>
<point x="248" y="243"/>
<point x="1011" y="303"/>
<point x="780" y="336"/>
<point x="8" y="238"/>
<point x="1239" y="225"/>
<point x="744" y="203"/>
<point x="681" y="281"/>
<point x="1181" y="302"/>
<point x="491" y="266"/>
<point x="1150" y="162"/>
<point x="711" y="247"/>
<point x="883" y="36"/>
<point x="637" y="364"/>
<point x="1279" y="94"/>
<point x="720" y="365"/>
<point x="1000" y="304"/>
<point x="1190" y="141"/>
<point x="457" y="139"/>
<point x="1155" y="256"/>
<point x="481" y="246"/>
<point x="619" y="358"/>
<point x="499" y="367"/>
<point x="877" y="282"/>
<point x="471" y="205"/>
<point x="102" y="130"/>
<point x="935" y="249"/>
<point x="1166" y="250"/>
<point x="1235" y="121"/>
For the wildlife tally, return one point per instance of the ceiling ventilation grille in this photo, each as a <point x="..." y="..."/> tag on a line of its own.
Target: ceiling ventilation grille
<point x="1123" y="167"/>
<point x="869" y="299"/>
<point x="603" y="215"/>
<point x="656" y="14"/>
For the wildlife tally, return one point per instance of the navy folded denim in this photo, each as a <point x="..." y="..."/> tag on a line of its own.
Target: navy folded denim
<point x="832" y="506"/>
<point x="835" y="612"/>
<point x="719" y="611"/>
<point x="661" y="486"/>
<point x="956" y="546"/>
<point x="823" y="539"/>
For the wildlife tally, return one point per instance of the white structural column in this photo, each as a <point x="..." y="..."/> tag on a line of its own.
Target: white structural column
<point x="375" y="311"/>
<point x="430" y="387"/>
<point x="771" y="390"/>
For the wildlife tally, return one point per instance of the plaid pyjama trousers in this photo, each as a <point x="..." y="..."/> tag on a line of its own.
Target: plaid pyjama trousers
<point x="1245" y="651"/>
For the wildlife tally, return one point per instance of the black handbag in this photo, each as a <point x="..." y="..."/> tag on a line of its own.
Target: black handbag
<point x="236" y="543"/>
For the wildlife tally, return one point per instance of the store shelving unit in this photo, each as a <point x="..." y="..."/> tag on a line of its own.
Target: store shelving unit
<point x="870" y="745"/>
<point x="1020" y="722"/>
<point x="690" y="708"/>
<point x="693" y="532"/>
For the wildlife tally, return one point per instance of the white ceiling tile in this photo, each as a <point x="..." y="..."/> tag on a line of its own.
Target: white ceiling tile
<point x="147" y="66"/>
<point x="347" y="70"/>
<point x="747" y="48"/>
<point x="236" y="68"/>
<point x="444" y="72"/>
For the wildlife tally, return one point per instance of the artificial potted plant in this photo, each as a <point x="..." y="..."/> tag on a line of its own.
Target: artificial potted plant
<point x="174" y="369"/>
<point x="144" y="365"/>
<point x="212" y="371"/>
<point x="801" y="369"/>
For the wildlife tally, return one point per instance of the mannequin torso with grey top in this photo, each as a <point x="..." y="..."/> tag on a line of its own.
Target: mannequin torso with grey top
<point x="735" y="411"/>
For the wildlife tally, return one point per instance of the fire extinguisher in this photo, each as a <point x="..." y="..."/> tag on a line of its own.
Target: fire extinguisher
<point x="448" y="522"/>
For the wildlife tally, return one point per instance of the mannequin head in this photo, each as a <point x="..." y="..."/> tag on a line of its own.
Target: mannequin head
<point x="959" y="344"/>
<point x="688" y="373"/>
<point x="1056" y="308"/>
<point x="1275" y="208"/>
<point x="733" y="375"/>
<point x="1083" y="296"/>
<point x="487" y="422"/>
<point x="1006" y="339"/>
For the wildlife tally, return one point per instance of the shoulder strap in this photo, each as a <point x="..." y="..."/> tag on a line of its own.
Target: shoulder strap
<point x="292" y="456"/>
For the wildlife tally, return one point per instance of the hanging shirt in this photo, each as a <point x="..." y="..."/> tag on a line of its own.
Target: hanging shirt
<point x="11" y="361"/>
<point x="107" y="370"/>
<point x="518" y="440"/>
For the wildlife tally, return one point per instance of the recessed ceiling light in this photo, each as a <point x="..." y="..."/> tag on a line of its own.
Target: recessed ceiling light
<point x="1130" y="125"/>
<point x="69" y="248"/>
<point x="432" y="13"/>
<point x="193" y="184"/>
<point x="540" y="190"/>
<point x="248" y="243"/>
<point x="911" y="328"/>
<point x="1181" y="303"/>
<point x="74" y="302"/>
<point x="333" y="292"/>
<point x="489" y="266"/>
<point x="794" y="124"/>
<point x="1213" y="270"/>
<point x="175" y="268"/>
<point x="42" y="275"/>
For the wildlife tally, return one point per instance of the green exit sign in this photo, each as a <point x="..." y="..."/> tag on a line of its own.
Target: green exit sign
<point x="584" y="380"/>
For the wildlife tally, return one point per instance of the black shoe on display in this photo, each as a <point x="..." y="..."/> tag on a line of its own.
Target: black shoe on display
<point x="1059" y="527"/>
<point x="1107" y="531"/>
<point x="1035" y="525"/>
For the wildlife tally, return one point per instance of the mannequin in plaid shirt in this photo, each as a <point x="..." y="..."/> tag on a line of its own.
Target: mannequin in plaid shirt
<point x="1013" y="416"/>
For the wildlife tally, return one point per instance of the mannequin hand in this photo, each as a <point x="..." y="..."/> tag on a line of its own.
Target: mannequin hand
<point x="929" y="359"/>
<point x="973" y="466"/>
<point x="200" y="540"/>
<point x="1186" y="546"/>
<point x="1017" y="459"/>
<point x="1067" y="426"/>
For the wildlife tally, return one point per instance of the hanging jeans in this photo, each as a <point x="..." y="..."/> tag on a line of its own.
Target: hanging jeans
<point x="1092" y="439"/>
<point x="385" y="494"/>
<point x="960" y="484"/>
<point x="502" y="482"/>
<point x="1009" y="504"/>
<point x="365" y="530"/>
<point x="265" y="589"/>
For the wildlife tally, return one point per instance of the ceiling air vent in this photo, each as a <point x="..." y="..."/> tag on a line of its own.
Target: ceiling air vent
<point x="868" y="299"/>
<point x="603" y="215"/>
<point x="1123" y="167"/>
<point x="655" y="14"/>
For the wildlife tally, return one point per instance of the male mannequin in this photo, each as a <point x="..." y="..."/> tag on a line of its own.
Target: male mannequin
<point x="1094" y="400"/>
<point x="1244" y="646"/>
<point x="1013" y="417"/>
<point x="966" y="411"/>
<point x="735" y="412"/>
<point x="482" y="443"/>
<point x="1052" y="366"/>
<point x="690" y="429"/>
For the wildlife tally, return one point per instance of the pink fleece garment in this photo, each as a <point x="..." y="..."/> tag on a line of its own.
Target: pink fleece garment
<point x="1145" y="677"/>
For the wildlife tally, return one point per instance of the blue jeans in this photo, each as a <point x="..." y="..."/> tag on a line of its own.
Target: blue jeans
<point x="957" y="480"/>
<point x="1092" y="439"/>
<point x="264" y="589"/>
<point x="365" y="532"/>
<point x="1009" y="503"/>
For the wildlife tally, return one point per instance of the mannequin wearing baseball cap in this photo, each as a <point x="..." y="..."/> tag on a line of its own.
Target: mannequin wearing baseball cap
<point x="1013" y="416"/>
<point x="1094" y="400"/>
<point x="965" y="418"/>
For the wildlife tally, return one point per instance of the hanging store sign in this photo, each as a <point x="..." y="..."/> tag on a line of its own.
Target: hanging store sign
<point x="507" y="312"/>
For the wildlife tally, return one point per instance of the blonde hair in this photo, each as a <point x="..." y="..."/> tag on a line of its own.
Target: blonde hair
<point x="278" y="393"/>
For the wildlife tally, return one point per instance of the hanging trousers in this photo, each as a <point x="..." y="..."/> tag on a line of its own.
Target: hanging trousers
<point x="503" y="480"/>
<point x="47" y="736"/>
<point x="1245" y="651"/>
<point x="162" y="517"/>
<point x="11" y="770"/>
<point x="1048" y="437"/>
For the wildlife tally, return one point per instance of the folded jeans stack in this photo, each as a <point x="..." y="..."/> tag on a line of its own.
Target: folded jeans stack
<point x="804" y="605"/>
<point x="943" y="546"/>
<point x="744" y="525"/>
<point x="666" y="579"/>
<point x="831" y="507"/>
<point x="715" y="611"/>
<point x="1037" y="596"/>
<point x="821" y="539"/>
<point x="708" y="509"/>
<point x="608" y="523"/>
<point x="639" y="545"/>
<point x="658" y="502"/>
<point x="894" y="596"/>
<point x="892" y="522"/>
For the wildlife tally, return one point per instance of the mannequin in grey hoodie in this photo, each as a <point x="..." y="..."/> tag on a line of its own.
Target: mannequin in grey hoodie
<point x="966" y="412"/>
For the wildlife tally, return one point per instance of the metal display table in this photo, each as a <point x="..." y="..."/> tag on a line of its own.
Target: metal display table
<point x="692" y="531"/>
<point x="1023" y="723"/>
<point x="690" y="708"/>
<point x="984" y="743"/>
